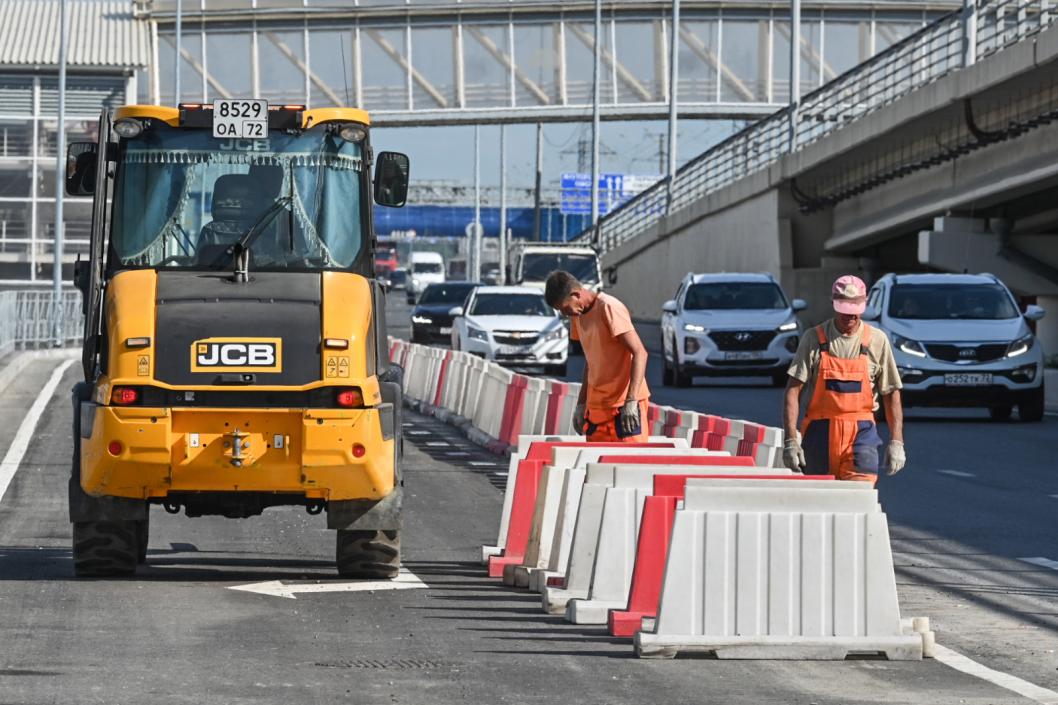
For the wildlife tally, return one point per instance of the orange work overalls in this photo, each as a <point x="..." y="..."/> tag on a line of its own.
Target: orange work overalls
<point x="602" y="426"/>
<point x="839" y="436"/>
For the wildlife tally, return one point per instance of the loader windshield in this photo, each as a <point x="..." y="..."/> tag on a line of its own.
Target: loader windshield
<point x="182" y="198"/>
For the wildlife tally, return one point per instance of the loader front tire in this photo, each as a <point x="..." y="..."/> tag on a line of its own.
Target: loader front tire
<point x="368" y="554"/>
<point x="105" y="548"/>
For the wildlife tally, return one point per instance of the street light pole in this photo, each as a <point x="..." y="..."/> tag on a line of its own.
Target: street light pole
<point x="674" y="81"/>
<point x="795" y="68"/>
<point x="179" y="49"/>
<point x="595" y="116"/>
<point x="503" y="203"/>
<point x="60" y="182"/>
<point x="475" y="241"/>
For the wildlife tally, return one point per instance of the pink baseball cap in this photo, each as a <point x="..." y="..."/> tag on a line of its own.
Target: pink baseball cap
<point x="850" y="295"/>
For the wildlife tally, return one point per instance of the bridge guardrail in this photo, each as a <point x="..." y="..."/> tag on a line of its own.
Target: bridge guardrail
<point x="27" y="319"/>
<point x="952" y="42"/>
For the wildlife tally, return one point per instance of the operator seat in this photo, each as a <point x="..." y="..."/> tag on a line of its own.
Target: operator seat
<point x="233" y="208"/>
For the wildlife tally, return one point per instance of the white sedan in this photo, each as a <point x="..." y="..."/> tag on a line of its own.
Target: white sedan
<point x="513" y="326"/>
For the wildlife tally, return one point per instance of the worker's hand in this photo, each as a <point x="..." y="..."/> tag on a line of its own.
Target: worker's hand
<point x="630" y="418"/>
<point x="580" y="419"/>
<point x="793" y="456"/>
<point x="897" y="457"/>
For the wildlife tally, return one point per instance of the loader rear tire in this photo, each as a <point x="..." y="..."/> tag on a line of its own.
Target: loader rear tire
<point x="105" y="548"/>
<point x="368" y="554"/>
<point x="142" y="539"/>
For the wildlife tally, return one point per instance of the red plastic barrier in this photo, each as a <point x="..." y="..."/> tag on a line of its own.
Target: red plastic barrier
<point x="652" y="548"/>
<point x="511" y="426"/>
<point x="541" y="450"/>
<point x="753" y="433"/>
<point x="729" y="460"/>
<point x="441" y="378"/>
<point x="555" y="396"/>
<point x="748" y="448"/>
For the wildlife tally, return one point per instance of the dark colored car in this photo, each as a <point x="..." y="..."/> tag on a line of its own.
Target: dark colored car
<point x="431" y="321"/>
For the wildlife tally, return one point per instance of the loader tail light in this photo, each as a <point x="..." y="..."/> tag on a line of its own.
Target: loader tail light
<point x="124" y="396"/>
<point x="350" y="398"/>
<point x="359" y="451"/>
<point x="115" y="448"/>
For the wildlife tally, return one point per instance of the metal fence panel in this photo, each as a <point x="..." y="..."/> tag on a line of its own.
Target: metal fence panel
<point x="27" y="319"/>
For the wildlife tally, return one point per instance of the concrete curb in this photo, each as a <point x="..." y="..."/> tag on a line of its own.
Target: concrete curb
<point x="474" y="435"/>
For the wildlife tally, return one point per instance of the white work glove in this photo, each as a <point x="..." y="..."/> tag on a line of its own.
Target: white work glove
<point x="793" y="456"/>
<point x="629" y="418"/>
<point x="897" y="457"/>
<point x="580" y="419"/>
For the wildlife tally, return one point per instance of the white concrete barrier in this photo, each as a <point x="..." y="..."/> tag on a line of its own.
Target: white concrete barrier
<point x="534" y="406"/>
<point x="773" y="573"/>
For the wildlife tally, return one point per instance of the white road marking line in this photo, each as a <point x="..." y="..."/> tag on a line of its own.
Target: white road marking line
<point x="457" y="454"/>
<point x="9" y="465"/>
<point x="419" y="433"/>
<point x="1042" y="562"/>
<point x="956" y="473"/>
<point x="1053" y="496"/>
<point x="406" y="580"/>
<point x="438" y="444"/>
<point x="955" y="660"/>
<point x="480" y="464"/>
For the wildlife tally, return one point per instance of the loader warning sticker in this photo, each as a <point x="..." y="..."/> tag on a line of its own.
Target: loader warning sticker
<point x="332" y="367"/>
<point x="143" y="365"/>
<point x="237" y="355"/>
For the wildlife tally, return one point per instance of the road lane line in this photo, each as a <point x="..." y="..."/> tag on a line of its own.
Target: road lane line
<point x="954" y="659"/>
<point x="956" y="473"/>
<point x="1042" y="562"/>
<point x="20" y="444"/>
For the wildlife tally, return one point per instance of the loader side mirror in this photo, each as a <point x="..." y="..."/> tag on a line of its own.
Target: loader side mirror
<point x="82" y="273"/>
<point x="391" y="179"/>
<point x="81" y="168"/>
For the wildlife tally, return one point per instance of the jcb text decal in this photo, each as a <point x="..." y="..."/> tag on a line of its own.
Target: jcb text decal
<point x="237" y="355"/>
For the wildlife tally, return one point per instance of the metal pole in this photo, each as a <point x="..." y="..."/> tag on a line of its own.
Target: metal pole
<point x="795" y="68"/>
<point x="503" y="203"/>
<point x="537" y="213"/>
<point x="595" y="116"/>
<point x="179" y="49"/>
<point x="674" y="80"/>
<point x="475" y="258"/>
<point x="969" y="19"/>
<point x="60" y="182"/>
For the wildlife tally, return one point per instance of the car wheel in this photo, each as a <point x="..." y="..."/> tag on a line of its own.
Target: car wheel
<point x="1030" y="409"/>
<point x="679" y="379"/>
<point x="1001" y="412"/>
<point x="666" y="369"/>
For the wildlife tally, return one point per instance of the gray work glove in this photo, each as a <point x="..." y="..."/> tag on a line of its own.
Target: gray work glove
<point x="580" y="419"/>
<point x="897" y="457"/>
<point x="629" y="417"/>
<point x="793" y="456"/>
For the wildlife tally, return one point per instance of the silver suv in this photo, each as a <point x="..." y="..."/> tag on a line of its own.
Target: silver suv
<point x="728" y="324"/>
<point x="960" y="340"/>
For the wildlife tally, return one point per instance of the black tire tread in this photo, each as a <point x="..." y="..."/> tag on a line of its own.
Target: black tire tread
<point x="367" y="554"/>
<point x="105" y="548"/>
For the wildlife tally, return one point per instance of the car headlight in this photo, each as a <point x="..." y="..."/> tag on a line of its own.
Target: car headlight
<point x="477" y="334"/>
<point x="788" y="326"/>
<point x="1020" y="346"/>
<point x="421" y="320"/>
<point x="556" y="334"/>
<point x="911" y="347"/>
<point x="693" y="328"/>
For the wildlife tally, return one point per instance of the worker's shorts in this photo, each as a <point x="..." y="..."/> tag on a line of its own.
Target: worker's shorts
<point x="847" y="449"/>
<point x="602" y="426"/>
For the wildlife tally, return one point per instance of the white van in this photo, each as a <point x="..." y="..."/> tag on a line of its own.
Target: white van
<point x="426" y="268"/>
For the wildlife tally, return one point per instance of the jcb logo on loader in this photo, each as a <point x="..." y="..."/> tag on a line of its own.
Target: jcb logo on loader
<point x="237" y="355"/>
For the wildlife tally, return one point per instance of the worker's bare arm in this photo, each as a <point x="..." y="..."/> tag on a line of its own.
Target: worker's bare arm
<point x="639" y="362"/>
<point x="791" y="406"/>
<point x="582" y="397"/>
<point x="894" y="414"/>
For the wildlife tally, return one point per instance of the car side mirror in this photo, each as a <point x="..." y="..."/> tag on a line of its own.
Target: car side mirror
<point x="1034" y="312"/>
<point x="391" y="179"/>
<point x="456" y="311"/>
<point x="871" y="314"/>
<point x="81" y="168"/>
<point x="798" y="304"/>
<point x="669" y="306"/>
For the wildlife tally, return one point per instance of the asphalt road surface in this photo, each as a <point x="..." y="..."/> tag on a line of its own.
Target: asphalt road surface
<point x="177" y="632"/>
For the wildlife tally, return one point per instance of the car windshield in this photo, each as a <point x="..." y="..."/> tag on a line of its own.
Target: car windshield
<point x="398" y="276"/>
<point x="445" y="293"/>
<point x="510" y="305"/>
<point x="427" y="268"/>
<point x="182" y="198"/>
<point x="536" y="266"/>
<point x="734" y="295"/>
<point x="936" y="302"/>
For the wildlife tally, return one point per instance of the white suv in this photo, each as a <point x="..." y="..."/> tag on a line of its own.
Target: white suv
<point x="728" y="324"/>
<point x="960" y="340"/>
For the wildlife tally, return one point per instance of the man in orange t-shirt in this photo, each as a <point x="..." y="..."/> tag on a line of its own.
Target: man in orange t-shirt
<point x="612" y="405"/>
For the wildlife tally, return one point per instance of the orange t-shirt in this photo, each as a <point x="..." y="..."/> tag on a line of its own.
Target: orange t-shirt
<point x="609" y="361"/>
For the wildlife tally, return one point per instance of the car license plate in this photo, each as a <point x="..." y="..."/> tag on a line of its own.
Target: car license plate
<point x="240" y="118"/>
<point x="513" y="350"/>
<point x="746" y="355"/>
<point x="968" y="379"/>
<point x="446" y="331"/>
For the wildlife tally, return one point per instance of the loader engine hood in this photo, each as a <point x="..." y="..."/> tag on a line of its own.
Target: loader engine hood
<point x="211" y="330"/>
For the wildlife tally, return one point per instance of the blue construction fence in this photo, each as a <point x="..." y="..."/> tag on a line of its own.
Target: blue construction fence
<point x="451" y="221"/>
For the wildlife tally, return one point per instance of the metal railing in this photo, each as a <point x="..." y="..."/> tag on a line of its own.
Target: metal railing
<point x="952" y="42"/>
<point x="27" y="319"/>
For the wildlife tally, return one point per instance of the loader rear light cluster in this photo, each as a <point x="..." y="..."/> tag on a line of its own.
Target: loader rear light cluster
<point x="350" y="398"/>
<point x="115" y="448"/>
<point x="359" y="451"/>
<point x="124" y="396"/>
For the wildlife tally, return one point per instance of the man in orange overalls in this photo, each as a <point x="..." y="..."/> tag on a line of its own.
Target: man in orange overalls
<point x="839" y="367"/>
<point x="612" y="405"/>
